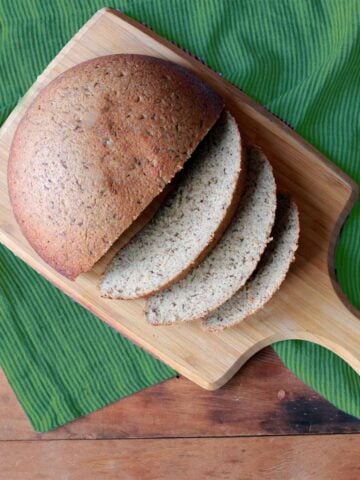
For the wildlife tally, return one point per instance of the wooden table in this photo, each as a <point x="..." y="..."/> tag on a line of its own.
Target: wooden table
<point x="264" y="424"/>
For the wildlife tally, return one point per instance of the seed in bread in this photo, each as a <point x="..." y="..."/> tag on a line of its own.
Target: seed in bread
<point x="234" y="258"/>
<point x="189" y="223"/>
<point x="269" y="274"/>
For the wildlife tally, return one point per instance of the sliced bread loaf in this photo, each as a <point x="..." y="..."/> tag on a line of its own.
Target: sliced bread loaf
<point x="232" y="261"/>
<point x="269" y="274"/>
<point x="189" y="223"/>
<point x="96" y="146"/>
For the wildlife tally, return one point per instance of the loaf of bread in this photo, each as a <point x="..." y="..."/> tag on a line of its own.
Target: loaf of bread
<point x="96" y="146"/>
<point x="189" y="223"/>
<point x="269" y="274"/>
<point x="232" y="261"/>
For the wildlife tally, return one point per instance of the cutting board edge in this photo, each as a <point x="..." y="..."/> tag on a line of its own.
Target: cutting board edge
<point x="306" y="336"/>
<point x="335" y="237"/>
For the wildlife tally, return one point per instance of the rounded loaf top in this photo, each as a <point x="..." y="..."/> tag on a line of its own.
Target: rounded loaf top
<point x="96" y="146"/>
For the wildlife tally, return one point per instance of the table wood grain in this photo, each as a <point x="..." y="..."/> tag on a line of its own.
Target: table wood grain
<point x="248" y="458"/>
<point x="264" y="423"/>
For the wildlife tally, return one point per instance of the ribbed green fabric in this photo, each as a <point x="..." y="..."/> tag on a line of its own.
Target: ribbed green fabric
<point x="61" y="361"/>
<point x="301" y="60"/>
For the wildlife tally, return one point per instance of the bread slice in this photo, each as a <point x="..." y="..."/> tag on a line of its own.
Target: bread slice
<point x="232" y="261"/>
<point x="189" y="223"/>
<point x="96" y="146"/>
<point x="268" y="276"/>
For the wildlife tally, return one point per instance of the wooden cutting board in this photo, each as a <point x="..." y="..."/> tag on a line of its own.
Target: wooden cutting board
<point x="308" y="306"/>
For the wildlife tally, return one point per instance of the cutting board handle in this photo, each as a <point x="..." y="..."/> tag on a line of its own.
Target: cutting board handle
<point x="341" y="337"/>
<point x="336" y="323"/>
<point x="343" y="332"/>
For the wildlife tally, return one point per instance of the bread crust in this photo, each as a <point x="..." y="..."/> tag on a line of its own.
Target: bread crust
<point x="96" y="146"/>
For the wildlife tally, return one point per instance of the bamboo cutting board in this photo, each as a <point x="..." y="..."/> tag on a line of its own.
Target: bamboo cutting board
<point x="308" y="306"/>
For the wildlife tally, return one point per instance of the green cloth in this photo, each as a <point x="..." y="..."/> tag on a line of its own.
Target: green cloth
<point x="301" y="59"/>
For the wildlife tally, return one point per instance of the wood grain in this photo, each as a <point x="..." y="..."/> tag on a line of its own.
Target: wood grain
<point x="307" y="306"/>
<point x="228" y="458"/>
<point x="264" y="398"/>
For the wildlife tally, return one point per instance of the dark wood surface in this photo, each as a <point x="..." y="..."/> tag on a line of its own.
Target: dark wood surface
<point x="254" y="427"/>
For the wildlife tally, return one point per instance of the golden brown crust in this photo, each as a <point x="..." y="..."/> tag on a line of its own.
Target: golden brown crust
<point x="96" y="146"/>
